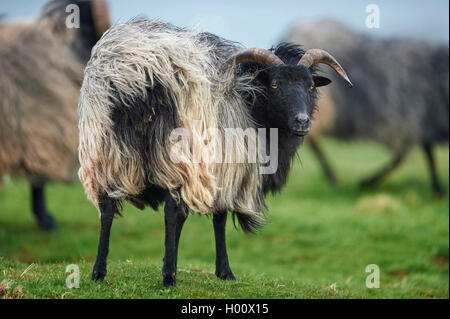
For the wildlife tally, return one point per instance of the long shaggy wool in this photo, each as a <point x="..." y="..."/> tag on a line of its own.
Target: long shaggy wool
<point x="146" y="78"/>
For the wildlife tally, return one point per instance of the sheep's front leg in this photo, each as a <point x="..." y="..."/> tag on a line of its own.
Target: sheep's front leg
<point x="223" y="270"/>
<point x="43" y="217"/>
<point x="174" y="217"/>
<point x="326" y="167"/>
<point x="107" y="209"/>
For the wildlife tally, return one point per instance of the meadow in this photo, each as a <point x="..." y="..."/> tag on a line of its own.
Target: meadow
<point x="317" y="244"/>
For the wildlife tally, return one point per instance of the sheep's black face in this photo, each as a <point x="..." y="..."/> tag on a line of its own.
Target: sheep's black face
<point x="291" y="94"/>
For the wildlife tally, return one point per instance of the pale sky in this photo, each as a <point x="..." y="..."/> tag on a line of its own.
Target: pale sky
<point x="262" y="23"/>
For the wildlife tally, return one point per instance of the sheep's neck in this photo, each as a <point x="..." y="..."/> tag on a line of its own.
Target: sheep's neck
<point x="288" y="144"/>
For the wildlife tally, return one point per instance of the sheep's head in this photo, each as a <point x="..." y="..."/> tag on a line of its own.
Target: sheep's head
<point x="291" y="89"/>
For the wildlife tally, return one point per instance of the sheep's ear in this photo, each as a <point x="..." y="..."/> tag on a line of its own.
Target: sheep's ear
<point x="321" y="81"/>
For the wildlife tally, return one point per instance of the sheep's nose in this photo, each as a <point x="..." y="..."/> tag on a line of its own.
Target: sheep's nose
<point x="303" y="121"/>
<point x="302" y="124"/>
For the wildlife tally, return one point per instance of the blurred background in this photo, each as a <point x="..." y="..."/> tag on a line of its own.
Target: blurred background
<point x="263" y="23"/>
<point x="320" y="236"/>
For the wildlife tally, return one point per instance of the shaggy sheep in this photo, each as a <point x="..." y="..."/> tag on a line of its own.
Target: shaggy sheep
<point x="402" y="96"/>
<point x="41" y="65"/>
<point x="145" y="80"/>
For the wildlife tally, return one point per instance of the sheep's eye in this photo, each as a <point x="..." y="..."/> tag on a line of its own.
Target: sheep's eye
<point x="274" y="85"/>
<point x="311" y="86"/>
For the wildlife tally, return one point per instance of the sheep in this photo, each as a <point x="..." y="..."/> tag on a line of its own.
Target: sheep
<point x="148" y="78"/>
<point x="9" y="29"/>
<point x="42" y="64"/>
<point x="402" y="97"/>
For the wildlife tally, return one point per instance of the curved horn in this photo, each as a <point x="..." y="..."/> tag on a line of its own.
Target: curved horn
<point x="261" y="56"/>
<point x="100" y="15"/>
<point x="314" y="56"/>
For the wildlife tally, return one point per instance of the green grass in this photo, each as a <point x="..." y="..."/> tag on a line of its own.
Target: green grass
<point x="317" y="244"/>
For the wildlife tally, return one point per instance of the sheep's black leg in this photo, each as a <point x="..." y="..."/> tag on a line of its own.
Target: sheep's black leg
<point x="181" y="218"/>
<point x="43" y="217"/>
<point x="174" y="217"/>
<point x="329" y="173"/>
<point x="107" y="207"/>
<point x="398" y="158"/>
<point x="437" y="188"/>
<point x="223" y="270"/>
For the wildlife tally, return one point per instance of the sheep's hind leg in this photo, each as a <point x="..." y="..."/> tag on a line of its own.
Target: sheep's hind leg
<point x="43" y="217"/>
<point x="174" y="217"/>
<point x="437" y="187"/>
<point x="370" y="181"/>
<point x="223" y="270"/>
<point x="107" y="209"/>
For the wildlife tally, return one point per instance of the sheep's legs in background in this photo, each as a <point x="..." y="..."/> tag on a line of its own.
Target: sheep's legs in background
<point x="223" y="270"/>
<point x="174" y="216"/>
<point x="398" y="158"/>
<point x="437" y="188"/>
<point x="43" y="217"/>
<point x="323" y="161"/>
<point x="107" y="207"/>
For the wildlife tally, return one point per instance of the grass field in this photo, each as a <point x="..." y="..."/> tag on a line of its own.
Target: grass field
<point x="317" y="244"/>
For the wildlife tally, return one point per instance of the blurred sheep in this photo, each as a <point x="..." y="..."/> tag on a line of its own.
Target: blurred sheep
<point x="401" y="97"/>
<point x="42" y="63"/>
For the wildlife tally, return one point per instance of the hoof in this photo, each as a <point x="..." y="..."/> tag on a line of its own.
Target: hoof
<point x="48" y="223"/>
<point x="366" y="183"/>
<point x="99" y="273"/>
<point x="98" y="276"/>
<point x="169" y="280"/>
<point x="332" y="180"/>
<point x="439" y="194"/>
<point x="334" y="184"/>
<point x="225" y="275"/>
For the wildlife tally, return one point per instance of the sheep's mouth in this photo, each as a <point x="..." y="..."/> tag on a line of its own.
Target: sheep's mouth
<point x="300" y="133"/>
<point x="289" y="131"/>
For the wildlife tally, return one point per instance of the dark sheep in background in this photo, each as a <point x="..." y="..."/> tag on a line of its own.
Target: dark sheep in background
<point x="401" y="97"/>
<point x="145" y="79"/>
<point x="42" y="63"/>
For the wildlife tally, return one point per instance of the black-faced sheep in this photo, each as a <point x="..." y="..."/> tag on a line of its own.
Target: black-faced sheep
<point x="402" y="96"/>
<point x="42" y="63"/>
<point x="145" y="80"/>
